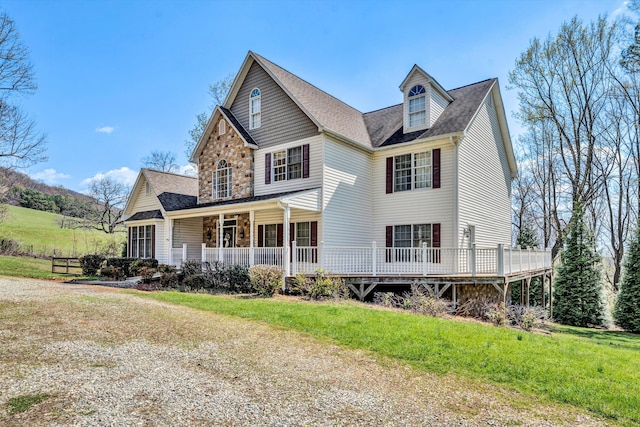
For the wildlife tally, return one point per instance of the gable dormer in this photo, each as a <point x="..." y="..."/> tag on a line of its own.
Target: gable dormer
<point x="424" y="100"/>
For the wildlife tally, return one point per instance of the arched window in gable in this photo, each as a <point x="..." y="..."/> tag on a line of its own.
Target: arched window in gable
<point x="222" y="181"/>
<point x="255" y="108"/>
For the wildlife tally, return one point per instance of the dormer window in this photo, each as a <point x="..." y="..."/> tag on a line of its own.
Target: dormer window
<point x="254" y="109"/>
<point x="417" y="106"/>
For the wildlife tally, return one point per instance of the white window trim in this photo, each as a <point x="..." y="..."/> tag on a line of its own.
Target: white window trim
<point x="286" y="165"/>
<point x="255" y="114"/>
<point x="408" y="114"/>
<point x="414" y="169"/>
<point x="214" y="181"/>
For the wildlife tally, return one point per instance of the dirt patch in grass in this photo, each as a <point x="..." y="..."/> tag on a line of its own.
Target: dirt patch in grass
<point x="108" y="357"/>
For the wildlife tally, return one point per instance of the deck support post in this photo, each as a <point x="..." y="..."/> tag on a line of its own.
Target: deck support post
<point x="528" y="286"/>
<point x="454" y="295"/>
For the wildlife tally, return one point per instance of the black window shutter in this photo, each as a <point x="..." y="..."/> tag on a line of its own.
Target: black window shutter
<point x="267" y="168"/>
<point x="389" y="175"/>
<point x="305" y="161"/>
<point x="436" y="242"/>
<point x="280" y="234"/>
<point x="436" y="168"/>
<point x="314" y="233"/>
<point x="260" y="236"/>
<point x="389" y="243"/>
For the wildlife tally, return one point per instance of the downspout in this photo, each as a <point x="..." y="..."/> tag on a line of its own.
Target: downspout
<point x="456" y="209"/>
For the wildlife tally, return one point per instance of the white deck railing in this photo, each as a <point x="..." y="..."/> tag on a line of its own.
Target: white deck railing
<point x="373" y="261"/>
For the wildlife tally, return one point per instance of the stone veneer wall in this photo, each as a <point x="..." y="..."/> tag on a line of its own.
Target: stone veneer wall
<point x="240" y="158"/>
<point x="242" y="223"/>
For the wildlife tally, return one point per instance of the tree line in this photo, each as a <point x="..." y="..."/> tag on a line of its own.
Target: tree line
<point x="578" y="187"/>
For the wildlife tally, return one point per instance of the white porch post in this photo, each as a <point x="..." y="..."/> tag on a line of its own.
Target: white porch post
<point x="285" y="262"/>
<point x="184" y="252"/>
<point x="170" y="241"/>
<point x="251" y="220"/>
<point x="424" y="259"/>
<point x="500" y="259"/>
<point x="294" y="258"/>
<point x="473" y="260"/>
<point x="220" y="237"/>
<point x="204" y="252"/>
<point x="374" y="258"/>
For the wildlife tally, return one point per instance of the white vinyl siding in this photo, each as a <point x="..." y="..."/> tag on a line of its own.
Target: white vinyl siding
<point x="484" y="181"/>
<point x="430" y="206"/>
<point x="315" y="169"/>
<point x="143" y="201"/>
<point x="437" y="105"/>
<point x="189" y="230"/>
<point x="347" y="198"/>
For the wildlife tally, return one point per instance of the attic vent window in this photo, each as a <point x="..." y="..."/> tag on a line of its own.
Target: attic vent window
<point x="417" y="106"/>
<point x="222" y="127"/>
<point x="147" y="189"/>
<point x="254" y="109"/>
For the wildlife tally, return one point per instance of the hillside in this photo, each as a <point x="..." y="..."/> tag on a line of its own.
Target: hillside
<point x="39" y="233"/>
<point x="10" y="178"/>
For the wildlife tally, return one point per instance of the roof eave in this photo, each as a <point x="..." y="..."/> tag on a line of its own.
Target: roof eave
<point x="421" y="140"/>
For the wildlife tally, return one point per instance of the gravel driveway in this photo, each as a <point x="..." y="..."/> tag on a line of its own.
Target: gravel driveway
<point x="107" y="358"/>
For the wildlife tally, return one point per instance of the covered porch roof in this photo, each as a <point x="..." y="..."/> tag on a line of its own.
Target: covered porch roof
<point x="309" y="200"/>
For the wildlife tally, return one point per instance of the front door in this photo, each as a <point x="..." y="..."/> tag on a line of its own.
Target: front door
<point x="229" y="237"/>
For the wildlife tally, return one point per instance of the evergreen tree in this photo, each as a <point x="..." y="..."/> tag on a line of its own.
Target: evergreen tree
<point x="627" y="310"/>
<point x="578" y="286"/>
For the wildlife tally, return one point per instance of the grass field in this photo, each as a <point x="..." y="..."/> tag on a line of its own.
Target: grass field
<point x="40" y="233"/>
<point x="594" y="370"/>
<point x="29" y="267"/>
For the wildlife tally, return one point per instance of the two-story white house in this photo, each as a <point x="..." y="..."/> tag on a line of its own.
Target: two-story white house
<point x="290" y="175"/>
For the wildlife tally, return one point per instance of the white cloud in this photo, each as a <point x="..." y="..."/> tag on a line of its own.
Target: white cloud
<point x="105" y="129"/>
<point x="50" y="176"/>
<point x="124" y="175"/>
<point x="189" y="170"/>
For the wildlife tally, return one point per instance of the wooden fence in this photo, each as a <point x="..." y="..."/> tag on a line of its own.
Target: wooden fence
<point x="66" y="266"/>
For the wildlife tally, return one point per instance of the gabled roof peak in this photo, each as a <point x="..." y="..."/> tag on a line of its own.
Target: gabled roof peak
<point x="416" y="69"/>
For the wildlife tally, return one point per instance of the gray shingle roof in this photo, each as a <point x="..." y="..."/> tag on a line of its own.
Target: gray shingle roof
<point x="386" y="128"/>
<point x="260" y="198"/>
<point x="167" y="181"/>
<point x="381" y="127"/>
<point x="238" y="125"/>
<point x="328" y="111"/>
<point x="174" y="201"/>
<point x="138" y="216"/>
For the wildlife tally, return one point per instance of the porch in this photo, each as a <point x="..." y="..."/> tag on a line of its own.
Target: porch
<point x="374" y="261"/>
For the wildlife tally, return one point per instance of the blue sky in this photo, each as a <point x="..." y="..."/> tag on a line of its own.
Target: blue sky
<point x="119" y="79"/>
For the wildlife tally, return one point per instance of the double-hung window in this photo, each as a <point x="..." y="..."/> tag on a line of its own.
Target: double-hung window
<point x="255" y="109"/>
<point x="222" y="181"/>
<point x="280" y="165"/>
<point x="141" y="241"/>
<point x="407" y="239"/>
<point x="287" y="164"/>
<point x="417" y="106"/>
<point x="412" y="171"/>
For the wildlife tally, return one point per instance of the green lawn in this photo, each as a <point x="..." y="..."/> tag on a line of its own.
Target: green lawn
<point x="595" y="370"/>
<point x="29" y="267"/>
<point x="40" y="233"/>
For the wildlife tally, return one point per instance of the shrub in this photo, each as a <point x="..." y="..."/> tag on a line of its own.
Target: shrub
<point x="147" y="274"/>
<point x="194" y="281"/>
<point x="496" y="314"/>
<point x="166" y="268"/>
<point x="148" y="286"/>
<point x="111" y="272"/>
<point x="122" y="263"/>
<point x="418" y="300"/>
<point x="91" y="264"/>
<point x="238" y="278"/>
<point x="169" y="279"/>
<point x="525" y="317"/>
<point x="265" y="279"/>
<point x="320" y="286"/>
<point x="191" y="267"/>
<point x="135" y="266"/>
